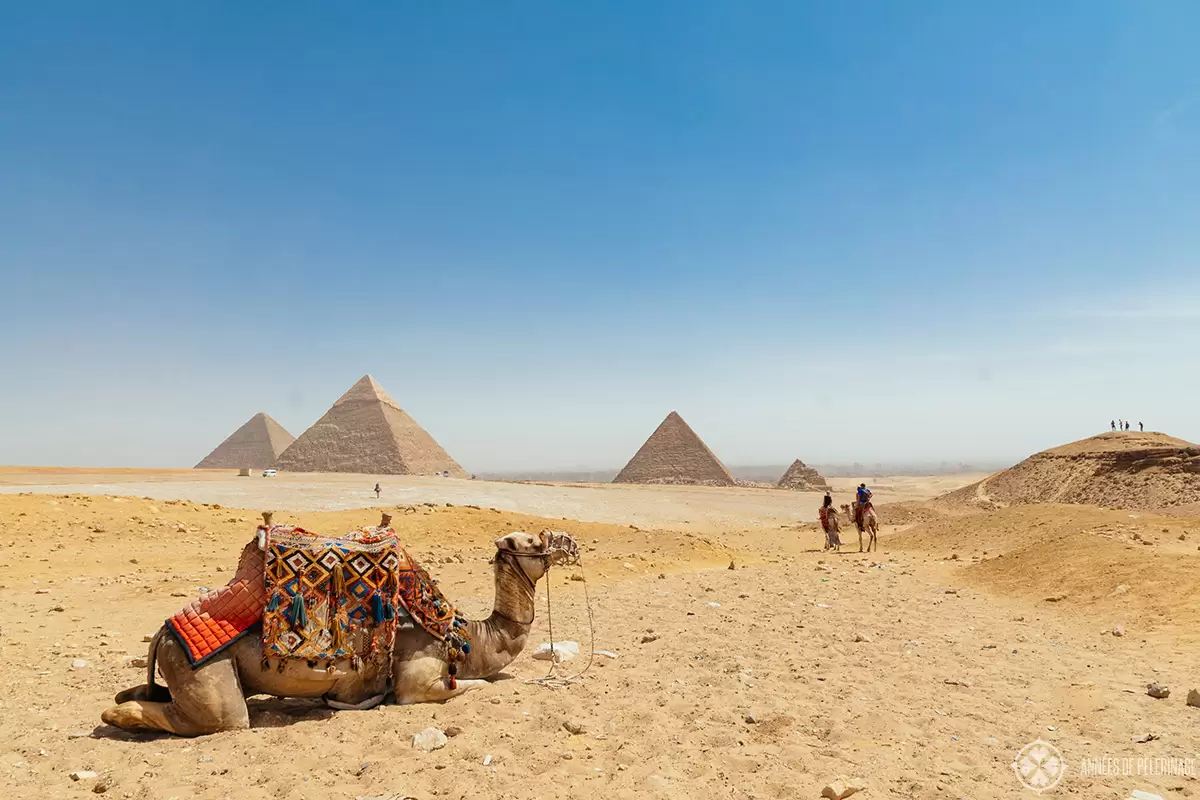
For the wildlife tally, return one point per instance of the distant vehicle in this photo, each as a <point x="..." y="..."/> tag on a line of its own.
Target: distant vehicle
<point x="268" y="473"/>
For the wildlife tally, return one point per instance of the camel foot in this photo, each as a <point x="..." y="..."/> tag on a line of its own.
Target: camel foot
<point x="127" y="716"/>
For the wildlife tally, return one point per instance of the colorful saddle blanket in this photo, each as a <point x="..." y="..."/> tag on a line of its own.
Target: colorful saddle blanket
<point x="319" y="598"/>
<point x="331" y="598"/>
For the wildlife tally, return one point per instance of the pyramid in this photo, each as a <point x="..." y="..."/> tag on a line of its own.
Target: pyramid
<point x="256" y="445"/>
<point x="802" y="479"/>
<point x="366" y="431"/>
<point x="675" y="454"/>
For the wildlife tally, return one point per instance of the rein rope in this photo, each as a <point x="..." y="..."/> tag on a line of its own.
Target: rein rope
<point x="552" y="680"/>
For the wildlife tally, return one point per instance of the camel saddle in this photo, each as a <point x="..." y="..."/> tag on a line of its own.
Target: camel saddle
<point x="318" y="598"/>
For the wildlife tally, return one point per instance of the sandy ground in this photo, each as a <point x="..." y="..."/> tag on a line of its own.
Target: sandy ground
<point x="921" y="670"/>
<point x="699" y="508"/>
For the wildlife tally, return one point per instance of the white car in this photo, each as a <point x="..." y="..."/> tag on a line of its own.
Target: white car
<point x="268" y="473"/>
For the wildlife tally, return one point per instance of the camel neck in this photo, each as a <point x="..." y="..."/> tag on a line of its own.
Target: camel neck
<point x="497" y="640"/>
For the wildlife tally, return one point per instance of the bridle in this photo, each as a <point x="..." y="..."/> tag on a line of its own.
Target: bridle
<point x="554" y="543"/>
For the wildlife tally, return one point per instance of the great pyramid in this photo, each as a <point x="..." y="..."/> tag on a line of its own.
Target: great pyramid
<point x="1118" y="469"/>
<point x="802" y="479"/>
<point x="366" y="431"/>
<point x="256" y="445"/>
<point x="675" y="454"/>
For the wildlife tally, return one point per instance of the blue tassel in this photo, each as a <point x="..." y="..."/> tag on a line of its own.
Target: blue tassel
<point x="274" y="604"/>
<point x="389" y="612"/>
<point x="377" y="607"/>
<point x="297" y="615"/>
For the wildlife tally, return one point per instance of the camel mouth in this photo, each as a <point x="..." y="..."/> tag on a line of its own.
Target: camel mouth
<point x="561" y="547"/>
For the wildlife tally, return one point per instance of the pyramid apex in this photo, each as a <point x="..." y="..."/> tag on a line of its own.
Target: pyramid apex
<point x="367" y="389"/>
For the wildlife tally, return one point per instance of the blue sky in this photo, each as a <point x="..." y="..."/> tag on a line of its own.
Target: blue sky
<point x="542" y="226"/>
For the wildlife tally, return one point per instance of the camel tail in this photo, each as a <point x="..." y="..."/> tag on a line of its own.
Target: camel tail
<point x="152" y="661"/>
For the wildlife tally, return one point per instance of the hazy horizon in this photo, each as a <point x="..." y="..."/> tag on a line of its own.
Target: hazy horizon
<point x="871" y="232"/>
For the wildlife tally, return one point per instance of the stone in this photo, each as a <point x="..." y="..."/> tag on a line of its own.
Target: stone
<point x="1118" y="630"/>
<point x="429" y="740"/>
<point x="84" y="775"/>
<point x="572" y="727"/>
<point x="1193" y="698"/>
<point x="858" y="637"/>
<point x="80" y="663"/>
<point x="1138" y="794"/>
<point x="562" y="651"/>
<point x="751" y="719"/>
<point x="103" y="785"/>
<point x="842" y="788"/>
<point x="452" y="731"/>
<point x="1157" y="691"/>
<point x="135" y="662"/>
<point x="648" y="638"/>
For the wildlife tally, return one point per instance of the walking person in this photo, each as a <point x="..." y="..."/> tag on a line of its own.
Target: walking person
<point x="1140" y="428"/>
<point x="378" y="490"/>
<point x="1113" y="423"/>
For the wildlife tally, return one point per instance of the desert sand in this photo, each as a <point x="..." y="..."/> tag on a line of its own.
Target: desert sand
<point x="920" y="670"/>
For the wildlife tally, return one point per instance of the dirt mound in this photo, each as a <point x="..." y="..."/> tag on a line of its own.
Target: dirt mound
<point x="1114" y="470"/>
<point x="1110" y="565"/>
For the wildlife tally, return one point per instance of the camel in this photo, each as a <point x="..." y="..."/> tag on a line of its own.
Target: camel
<point x="868" y="522"/>
<point x="833" y="537"/>
<point x="212" y="697"/>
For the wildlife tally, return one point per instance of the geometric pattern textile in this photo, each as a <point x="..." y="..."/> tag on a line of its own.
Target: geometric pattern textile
<point x="330" y="598"/>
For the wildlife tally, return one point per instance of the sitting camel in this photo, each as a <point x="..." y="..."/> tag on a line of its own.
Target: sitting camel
<point x="212" y="697"/>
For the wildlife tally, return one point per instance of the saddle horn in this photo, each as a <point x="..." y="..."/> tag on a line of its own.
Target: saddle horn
<point x="385" y="520"/>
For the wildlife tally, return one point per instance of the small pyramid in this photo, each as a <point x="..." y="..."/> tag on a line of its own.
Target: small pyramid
<point x="675" y="454"/>
<point x="256" y="445"/>
<point x="802" y="479"/>
<point x="365" y="431"/>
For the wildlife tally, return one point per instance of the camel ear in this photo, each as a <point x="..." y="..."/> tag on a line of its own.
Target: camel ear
<point x="542" y="541"/>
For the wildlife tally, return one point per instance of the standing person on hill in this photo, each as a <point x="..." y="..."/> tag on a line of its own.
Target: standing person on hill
<point x="1126" y="424"/>
<point x="1140" y="428"/>
<point x="1113" y="423"/>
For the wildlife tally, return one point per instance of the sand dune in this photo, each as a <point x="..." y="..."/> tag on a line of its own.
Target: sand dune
<point x="919" y="673"/>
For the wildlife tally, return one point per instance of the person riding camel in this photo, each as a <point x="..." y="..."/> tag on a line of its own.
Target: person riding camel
<point x="828" y="517"/>
<point x="863" y="498"/>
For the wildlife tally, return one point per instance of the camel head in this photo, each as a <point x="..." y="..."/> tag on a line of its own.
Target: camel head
<point x="535" y="553"/>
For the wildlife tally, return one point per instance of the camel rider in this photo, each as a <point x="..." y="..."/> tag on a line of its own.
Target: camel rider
<point x="863" y="496"/>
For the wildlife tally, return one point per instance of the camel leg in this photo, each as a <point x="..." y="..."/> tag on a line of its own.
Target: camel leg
<point x="159" y="694"/>
<point x="436" y="691"/>
<point x="204" y="700"/>
<point x="423" y="680"/>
